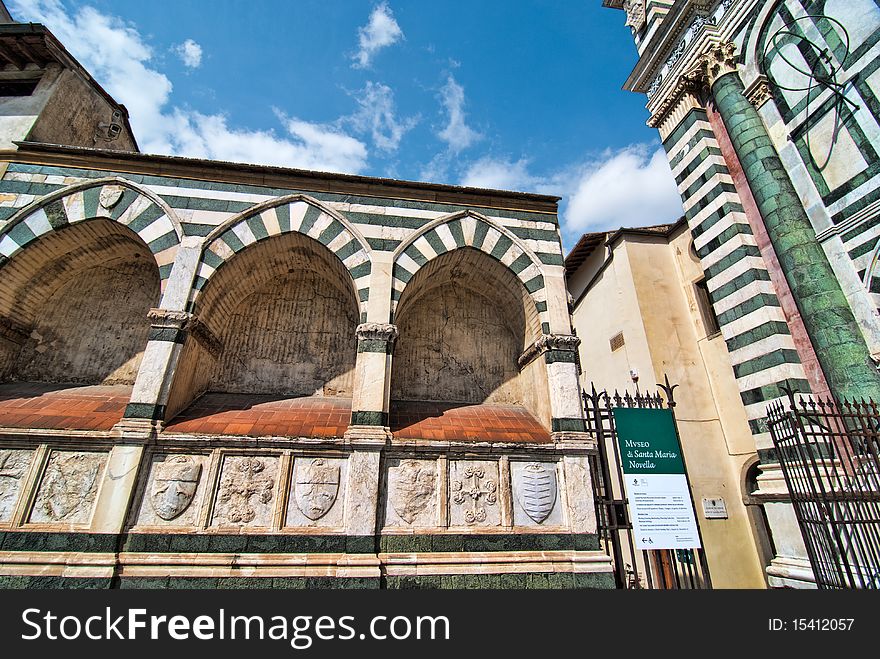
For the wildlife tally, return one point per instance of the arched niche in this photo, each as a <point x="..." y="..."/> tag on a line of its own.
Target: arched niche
<point x="464" y="320"/>
<point x="281" y="316"/>
<point x="74" y="305"/>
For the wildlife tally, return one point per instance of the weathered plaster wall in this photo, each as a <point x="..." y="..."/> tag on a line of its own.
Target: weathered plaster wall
<point x="18" y="113"/>
<point x="464" y="320"/>
<point x="73" y="117"/>
<point x="294" y="335"/>
<point x="454" y="345"/>
<point x="285" y="313"/>
<point x="93" y="329"/>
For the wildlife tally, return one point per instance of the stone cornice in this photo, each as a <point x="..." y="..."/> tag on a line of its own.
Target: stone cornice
<point x="668" y="39"/>
<point x="182" y="321"/>
<point x="167" y="319"/>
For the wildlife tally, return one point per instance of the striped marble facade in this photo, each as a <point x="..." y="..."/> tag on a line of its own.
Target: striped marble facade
<point x="471" y="229"/>
<point x="231" y="217"/>
<point x="761" y="348"/>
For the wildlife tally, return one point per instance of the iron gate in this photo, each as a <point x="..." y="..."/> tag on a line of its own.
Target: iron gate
<point x="828" y="452"/>
<point x="657" y="568"/>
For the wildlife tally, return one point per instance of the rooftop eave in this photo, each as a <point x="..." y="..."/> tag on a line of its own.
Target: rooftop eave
<point x="54" y="51"/>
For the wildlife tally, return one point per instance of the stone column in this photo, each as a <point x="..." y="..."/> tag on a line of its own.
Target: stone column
<point x="169" y="331"/>
<point x="559" y="352"/>
<point x="372" y="382"/>
<point x="169" y="327"/>
<point x="827" y="316"/>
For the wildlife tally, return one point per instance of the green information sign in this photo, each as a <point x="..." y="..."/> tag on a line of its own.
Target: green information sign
<point x="655" y="481"/>
<point x="647" y="440"/>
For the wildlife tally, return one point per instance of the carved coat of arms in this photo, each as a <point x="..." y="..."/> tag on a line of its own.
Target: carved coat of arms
<point x="413" y="488"/>
<point x="174" y="485"/>
<point x="70" y="484"/>
<point x="315" y="487"/>
<point x="537" y="491"/>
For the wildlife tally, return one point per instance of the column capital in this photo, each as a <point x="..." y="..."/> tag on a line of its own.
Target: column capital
<point x="377" y="332"/>
<point x="718" y="60"/>
<point x="169" y="325"/>
<point x="759" y="92"/>
<point x="168" y="319"/>
<point x="547" y="343"/>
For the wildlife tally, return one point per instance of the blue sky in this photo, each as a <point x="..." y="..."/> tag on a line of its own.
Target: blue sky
<point x="522" y="95"/>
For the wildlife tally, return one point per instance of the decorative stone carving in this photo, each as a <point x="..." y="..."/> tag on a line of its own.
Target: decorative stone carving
<point x="174" y="491"/>
<point x="717" y="61"/>
<point x="247" y="490"/>
<point x="535" y="490"/>
<point x="316" y="485"/>
<point x="377" y="332"/>
<point x="412" y="491"/>
<point x="110" y="195"/>
<point x="13" y="466"/>
<point x="167" y="319"/>
<point x="635" y="14"/>
<point x="317" y="493"/>
<point x="474" y="491"/>
<point x="69" y="487"/>
<point x="175" y="481"/>
<point x="567" y="342"/>
<point x="759" y="92"/>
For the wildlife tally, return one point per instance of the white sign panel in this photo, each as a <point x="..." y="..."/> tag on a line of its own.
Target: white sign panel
<point x="662" y="513"/>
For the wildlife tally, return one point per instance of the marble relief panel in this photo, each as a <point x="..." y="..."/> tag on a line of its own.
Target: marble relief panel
<point x="69" y="487"/>
<point x="473" y="493"/>
<point x="246" y="491"/>
<point x="412" y="491"/>
<point x="174" y="491"/>
<point x="317" y="492"/>
<point x="14" y="464"/>
<point x="535" y="494"/>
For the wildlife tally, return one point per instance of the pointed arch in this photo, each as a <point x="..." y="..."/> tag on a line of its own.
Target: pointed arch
<point x="469" y="229"/>
<point x="297" y="213"/>
<point x="112" y="198"/>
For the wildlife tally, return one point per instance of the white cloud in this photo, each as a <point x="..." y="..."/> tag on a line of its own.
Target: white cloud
<point x="631" y="187"/>
<point x="117" y="56"/>
<point x="377" y="115"/>
<point x="380" y="32"/>
<point x="457" y="134"/>
<point x="190" y="53"/>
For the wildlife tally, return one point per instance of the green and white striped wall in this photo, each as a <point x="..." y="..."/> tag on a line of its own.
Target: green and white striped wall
<point x="761" y="348"/>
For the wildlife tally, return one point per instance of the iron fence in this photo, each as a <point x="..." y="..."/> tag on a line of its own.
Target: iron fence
<point x="656" y="568"/>
<point x="828" y="452"/>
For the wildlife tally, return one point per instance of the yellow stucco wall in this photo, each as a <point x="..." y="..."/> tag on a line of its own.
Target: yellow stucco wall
<point x="647" y="292"/>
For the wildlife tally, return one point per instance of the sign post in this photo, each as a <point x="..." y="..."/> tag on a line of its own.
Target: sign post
<point x="655" y="480"/>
